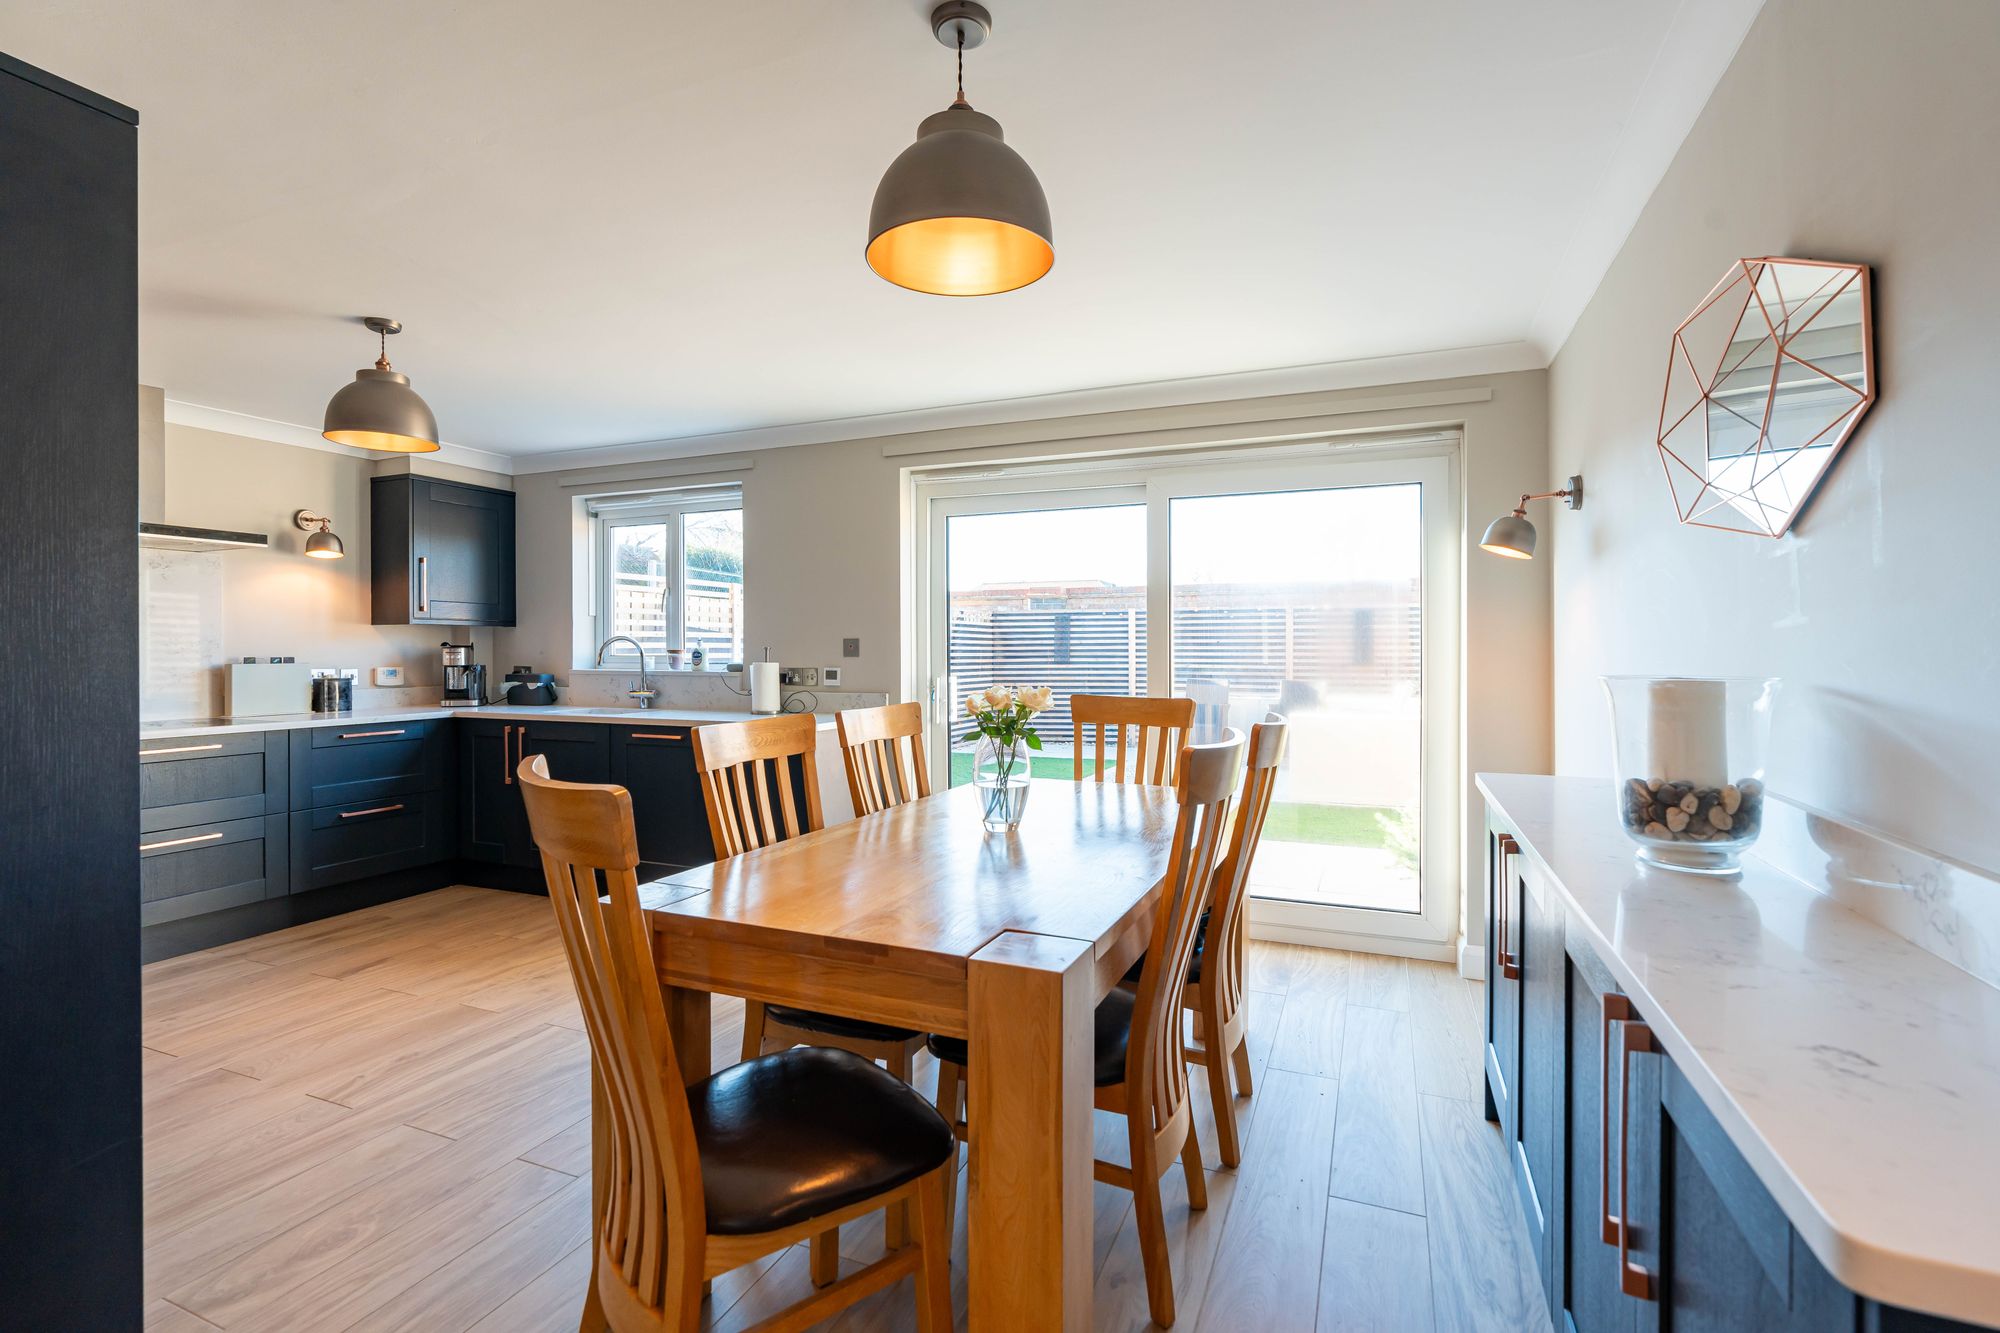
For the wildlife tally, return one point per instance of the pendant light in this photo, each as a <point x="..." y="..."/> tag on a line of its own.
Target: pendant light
<point x="380" y="410"/>
<point x="958" y="213"/>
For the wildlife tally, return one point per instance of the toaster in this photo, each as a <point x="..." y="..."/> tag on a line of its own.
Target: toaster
<point x="528" y="687"/>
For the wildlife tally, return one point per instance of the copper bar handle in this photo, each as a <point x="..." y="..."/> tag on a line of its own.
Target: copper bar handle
<point x="178" y="842"/>
<point x="183" y="749"/>
<point x="423" y="585"/>
<point x="657" y="736"/>
<point x="373" y="810"/>
<point x="357" y="735"/>
<point x="1616" y="1009"/>
<point x="1510" y="965"/>
<point x="1633" y="1279"/>
<point x="507" y="755"/>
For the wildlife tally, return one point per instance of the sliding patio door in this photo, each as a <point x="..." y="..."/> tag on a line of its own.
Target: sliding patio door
<point x="1324" y="591"/>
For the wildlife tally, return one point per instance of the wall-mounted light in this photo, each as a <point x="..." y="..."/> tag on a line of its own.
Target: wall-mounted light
<point x="1513" y="536"/>
<point x="380" y="410"/>
<point x="322" y="545"/>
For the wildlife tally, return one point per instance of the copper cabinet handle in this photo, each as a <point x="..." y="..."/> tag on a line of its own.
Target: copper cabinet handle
<point x="1616" y="1009"/>
<point x="507" y="755"/>
<point x="183" y="749"/>
<point x="1510" y="964"/>
<point x="357" y="735"/>
<point x="178" y="842"/>
<point x="1633" y="1279"/>
<point x="375" y="810"/>
<point x="656" y="736"/>
<point x="423" y="585"/>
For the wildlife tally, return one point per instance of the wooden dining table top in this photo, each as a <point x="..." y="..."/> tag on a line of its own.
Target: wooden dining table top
<point x="923" y="886"/>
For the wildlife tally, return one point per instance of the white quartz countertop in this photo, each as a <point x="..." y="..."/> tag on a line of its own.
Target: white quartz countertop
<point x="664" y="717"/>
<point x="1858" y="1075"/>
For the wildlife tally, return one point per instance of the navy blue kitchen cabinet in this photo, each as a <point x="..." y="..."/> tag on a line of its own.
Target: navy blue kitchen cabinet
<point x="440" y="552"/>
<point x="656" y="765"/>
<point x="493" y="822"/>
<point x="1641" y="1212"/>
<point x="368" y="799"/>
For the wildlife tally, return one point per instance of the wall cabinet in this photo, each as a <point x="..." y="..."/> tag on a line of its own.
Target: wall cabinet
<point x="1640" y="1211"/>
<point x="440" y="553"/>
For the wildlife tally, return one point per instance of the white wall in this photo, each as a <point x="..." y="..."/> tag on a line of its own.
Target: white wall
<point x="1845" y="130"/>
<point x="823" y="537"/>
<point x="223" y="606"/>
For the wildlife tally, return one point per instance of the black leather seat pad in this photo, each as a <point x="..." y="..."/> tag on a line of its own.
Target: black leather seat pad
<point x="1194" y="959"/>
<point x="1113" y="1035"/>
<point x="837" y="1025"/>
<point x="798" y="1134"/>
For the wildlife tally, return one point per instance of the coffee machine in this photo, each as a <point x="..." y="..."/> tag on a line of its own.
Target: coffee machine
<point x="464" y="679"/>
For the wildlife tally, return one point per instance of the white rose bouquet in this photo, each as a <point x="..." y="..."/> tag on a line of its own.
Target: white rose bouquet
<point x="1005" y="713"/>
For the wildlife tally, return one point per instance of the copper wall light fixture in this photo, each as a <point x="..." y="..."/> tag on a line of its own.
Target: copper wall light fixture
<point x="1513" y="536"/>
<point x="959" y="213"/>
<point x="322" y="545"/>
<point x="380" y="410"/>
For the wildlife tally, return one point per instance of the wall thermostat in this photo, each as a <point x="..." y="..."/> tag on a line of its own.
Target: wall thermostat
<point x="387" y="675"/>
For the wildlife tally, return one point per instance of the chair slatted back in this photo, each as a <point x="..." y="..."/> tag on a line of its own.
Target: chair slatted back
<point x="1222" y="966"/>
<point x="652" y="1233"/>
<point x="884" y="751"/>
<point x="747" y="780"/>
<point x="1155" y="1070"/>
<point x="1159" y="728"/>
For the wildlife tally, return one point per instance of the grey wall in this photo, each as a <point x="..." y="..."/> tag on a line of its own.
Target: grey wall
<point x="824" y="540"/>
<point x="1845" y="130"/>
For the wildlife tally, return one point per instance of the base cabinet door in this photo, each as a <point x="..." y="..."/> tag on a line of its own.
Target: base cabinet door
<point x="575" y="751"/>
<point x="1502" y="1055"/>
<point x="1603" y="1156"/>
<point x="490" y="814"/>
<point x="1537" y="1093"/>
<point x="656" y="764"/>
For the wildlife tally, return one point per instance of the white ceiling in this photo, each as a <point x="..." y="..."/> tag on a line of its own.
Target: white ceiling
<point x="637" y="221"/>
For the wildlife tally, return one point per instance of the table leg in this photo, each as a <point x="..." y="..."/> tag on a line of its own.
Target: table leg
<point x="593" y="1320"/>
<point x="687" y="1019"/>
<point x="1029" y="1002"/>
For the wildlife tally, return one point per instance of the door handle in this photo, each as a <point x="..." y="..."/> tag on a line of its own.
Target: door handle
<point x="374" y="810"/>
<point x="507" y="755"/>
<point x="357" y="735"/>
<point x="1616" y="1009"/>
<point x="423" y="585"/>
<point x="178" y="842"/>
<point x="1633" y="1279"/>
<point x="183" y="749"/>
<point x="1510" y="964"/>
<point x="655" y="736"/>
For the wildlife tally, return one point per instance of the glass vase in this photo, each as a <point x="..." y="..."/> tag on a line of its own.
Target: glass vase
<point x="1000" y="773"/>
<point x="1689" y="758"/>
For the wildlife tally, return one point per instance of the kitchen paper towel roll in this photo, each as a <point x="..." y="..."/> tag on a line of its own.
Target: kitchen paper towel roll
<point x="765" y="696"/>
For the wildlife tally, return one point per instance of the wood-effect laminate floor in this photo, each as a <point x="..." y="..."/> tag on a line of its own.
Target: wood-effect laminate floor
<point x="380" y="1122"/>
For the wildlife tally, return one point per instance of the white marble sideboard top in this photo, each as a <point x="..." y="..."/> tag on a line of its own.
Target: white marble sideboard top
<point x="663" y="717"/>
<point x="1858" y="1074"/>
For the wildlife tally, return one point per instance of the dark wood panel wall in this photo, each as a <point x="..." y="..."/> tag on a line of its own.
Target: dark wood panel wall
<point x="69" y="666"/>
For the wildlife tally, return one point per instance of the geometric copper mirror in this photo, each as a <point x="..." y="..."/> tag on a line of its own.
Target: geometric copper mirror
<point x="1765" y="382"/>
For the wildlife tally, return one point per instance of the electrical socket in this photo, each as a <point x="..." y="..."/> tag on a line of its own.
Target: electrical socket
<point x="804" y="676"/>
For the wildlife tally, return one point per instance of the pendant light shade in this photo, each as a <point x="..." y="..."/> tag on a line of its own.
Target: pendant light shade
<point x="380" y="410"/>
<point x="959" y="213"/>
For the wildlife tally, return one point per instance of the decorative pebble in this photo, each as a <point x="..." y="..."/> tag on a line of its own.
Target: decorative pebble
<point x="1657" y="831"/>
<point x="1691" y="803"/>
<point x="1732" y="797"/>
<point x="1677" y="820"/>
<point x="1666" y="810"/>
<point x="1720" y="818"/>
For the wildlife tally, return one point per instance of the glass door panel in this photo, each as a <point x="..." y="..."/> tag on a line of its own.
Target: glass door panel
<point x="1310" y="603"/>
<point x="1046" y="596"/>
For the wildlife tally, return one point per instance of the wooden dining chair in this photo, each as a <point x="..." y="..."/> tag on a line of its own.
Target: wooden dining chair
<point x="1214" y="991"/>
<point x="695" y="1179"/>
<point x="884" y="751"/>
<point x="1159" y="728"/>
<point x="748" y="774"/>
<point x="1141" y="1065"/>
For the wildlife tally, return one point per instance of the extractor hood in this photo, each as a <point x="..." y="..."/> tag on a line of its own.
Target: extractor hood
<point x="168" y="537"/>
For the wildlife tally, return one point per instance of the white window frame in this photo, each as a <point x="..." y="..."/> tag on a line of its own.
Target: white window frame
<point x="669" y="512"/>
<point x="1432" y="459"/>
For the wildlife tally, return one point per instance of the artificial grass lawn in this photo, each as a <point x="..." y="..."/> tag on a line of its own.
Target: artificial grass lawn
<point x="1288" y="821"/>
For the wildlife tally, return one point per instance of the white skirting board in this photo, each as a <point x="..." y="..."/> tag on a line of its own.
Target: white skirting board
<point x="1472" y="961"/>
<point x="1351" y="941"/>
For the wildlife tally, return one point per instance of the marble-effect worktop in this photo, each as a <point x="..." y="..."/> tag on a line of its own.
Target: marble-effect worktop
<point x="669" y="716"/>
<point x="1857" y="1073"/>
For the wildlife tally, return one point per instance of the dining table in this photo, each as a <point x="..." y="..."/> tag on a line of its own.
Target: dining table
<point x="920" y="917"/>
